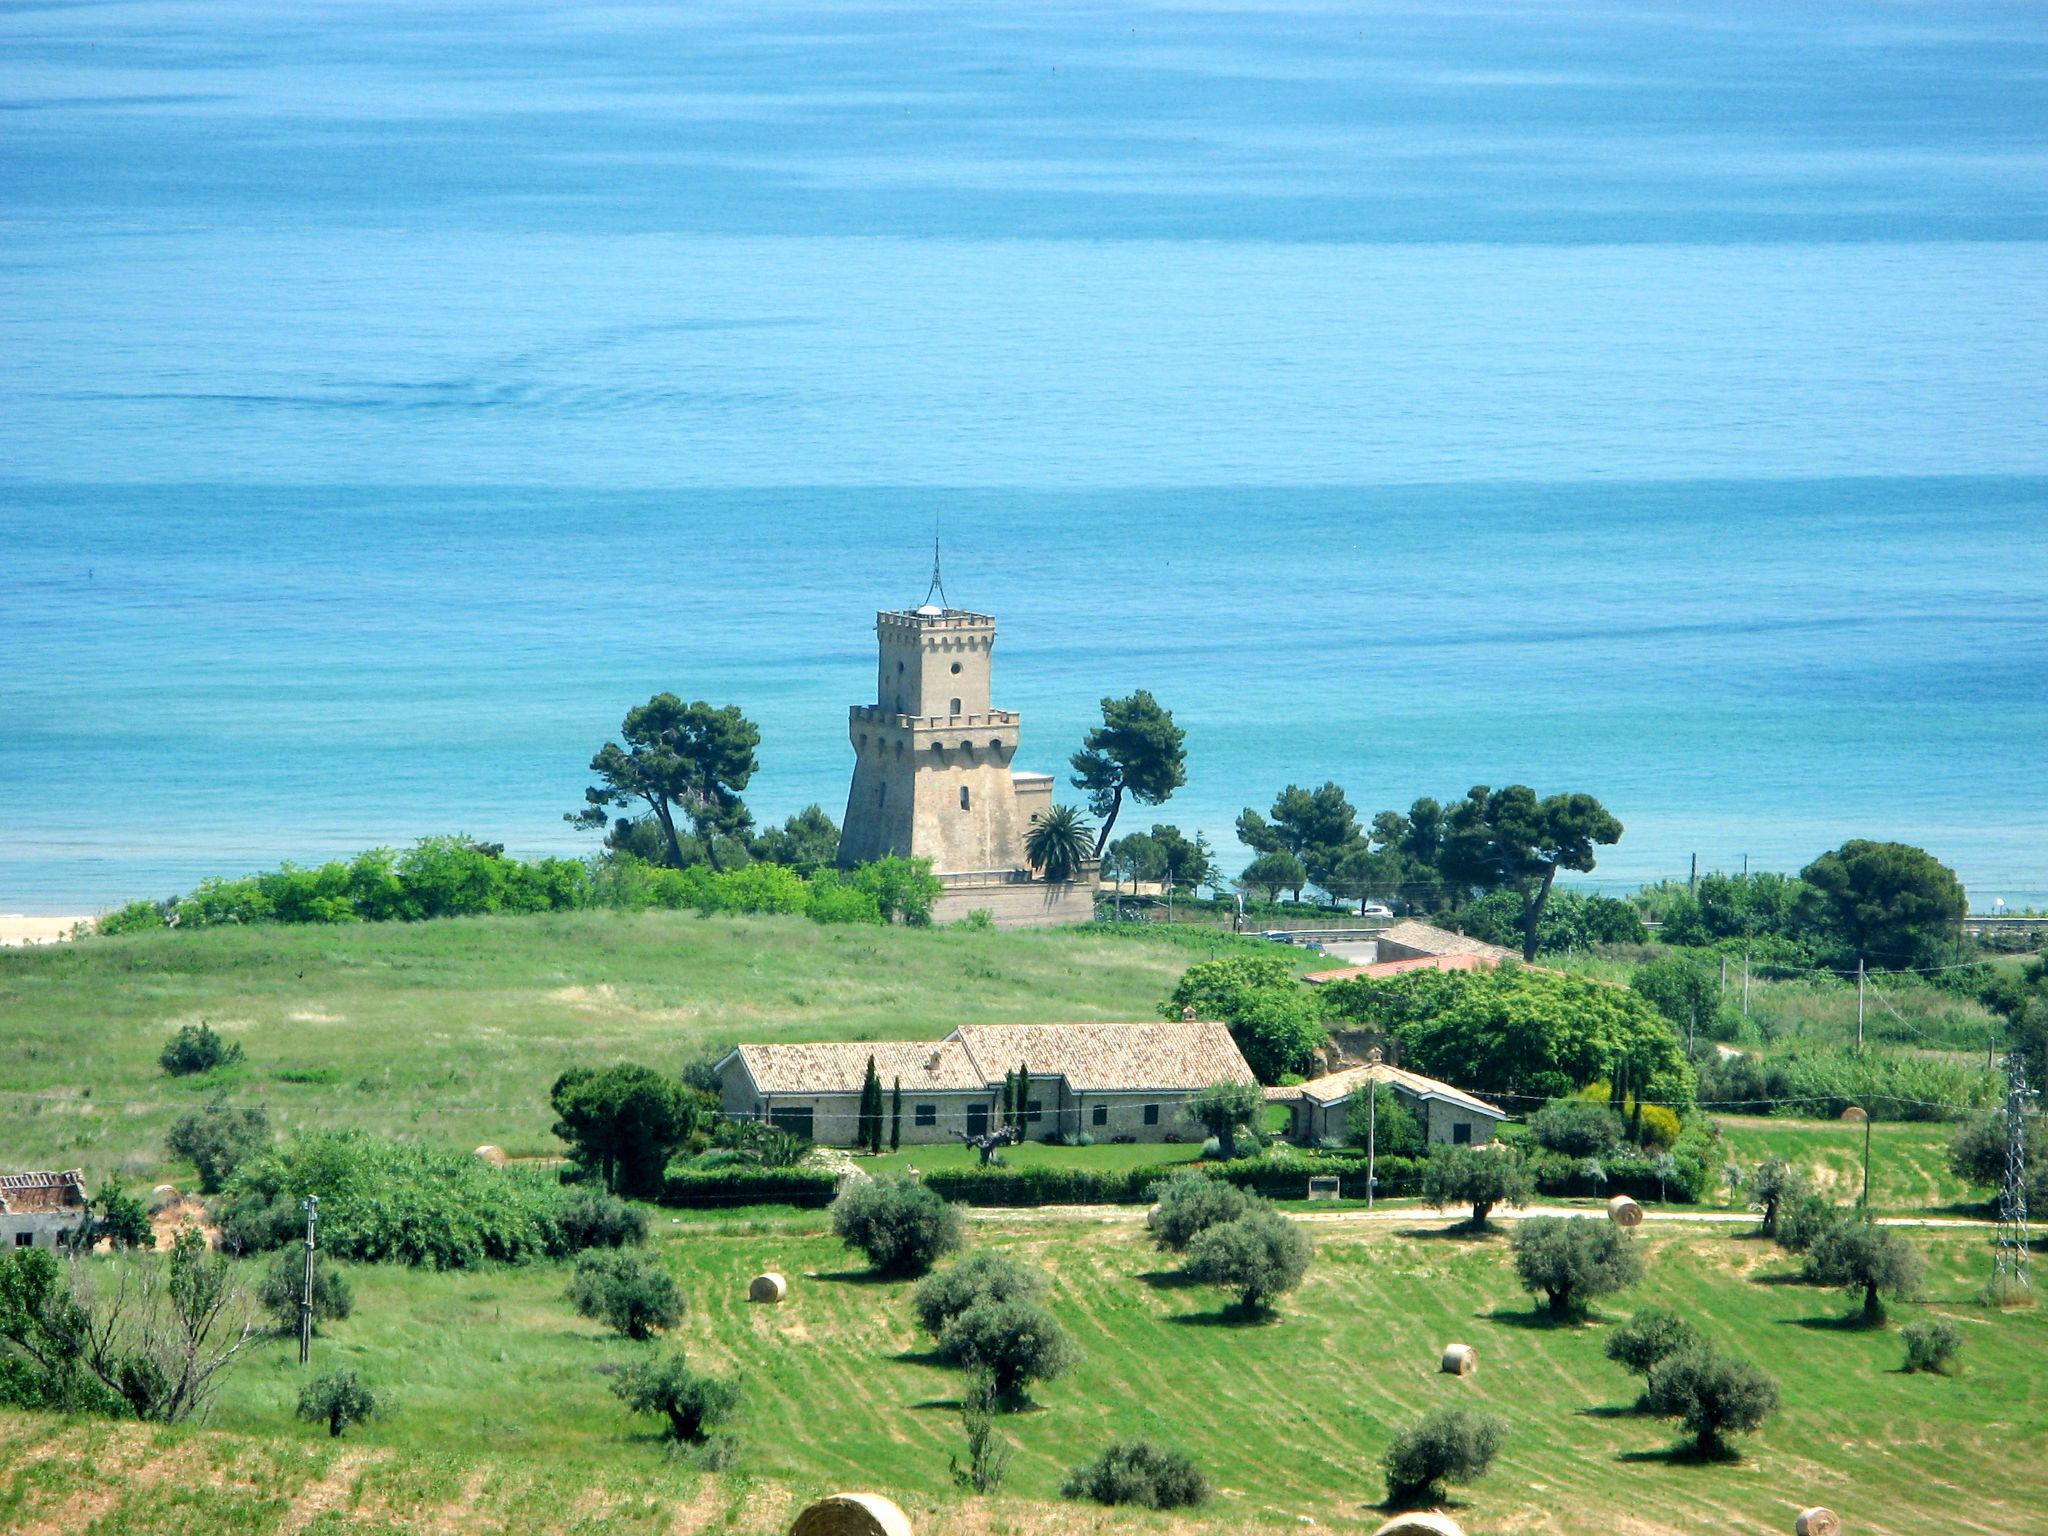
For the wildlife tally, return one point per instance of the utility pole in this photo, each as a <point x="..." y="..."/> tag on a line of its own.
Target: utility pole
<point x="1745" y="866"/>
<point x="1859" y="1005"/>
<point x="1692" y="881"/>
<point x="1745" y="983"/>
<point x="2010" y="1281"/>
<point x="312" y="1208"/>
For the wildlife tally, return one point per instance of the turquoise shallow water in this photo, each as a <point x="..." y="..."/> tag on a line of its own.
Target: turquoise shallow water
<point x="1615" y="397"/>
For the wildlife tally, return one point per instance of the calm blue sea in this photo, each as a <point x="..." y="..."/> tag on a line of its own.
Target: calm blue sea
<point x="1645" y="399"/>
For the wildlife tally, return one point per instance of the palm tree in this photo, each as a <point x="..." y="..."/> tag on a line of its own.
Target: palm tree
<point x="1058" y="842"/>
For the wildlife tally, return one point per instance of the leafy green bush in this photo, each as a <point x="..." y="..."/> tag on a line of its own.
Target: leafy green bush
<point x="903" y="1227"/>
<point x="1651" y="1335"/>
<point x="1453" y="1444"/>
<point x="1932" y="1344"/>
<point x="1576" y="1127"/>
<point x="218" y="1139"/>
<point x="197" y="1048"/>
<point x="396" y="1202"/>
<point x="284" y="1283"/>
<point x="982" y="1277"/>
<point x="1261" y="1255"/>
<point x="1804" y="1221"/>
<point x="590" y="1218"/>
<point x="1140" y="1472"/>
<point x="1376" y="1116"/>
<point x="1014" y="1342"/>
<point x="631" y="1293"/>
<point x="719" y="1187"/>
<point x="337" y="1399"/>
<point x="1188" y="1204"/>
<point x="691" y="1401"/>
<point x="1572" y="1259"/>
<point x="1570" y="921"/>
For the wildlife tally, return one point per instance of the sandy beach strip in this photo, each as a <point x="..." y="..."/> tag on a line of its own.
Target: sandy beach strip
<point x="16" y="929"/>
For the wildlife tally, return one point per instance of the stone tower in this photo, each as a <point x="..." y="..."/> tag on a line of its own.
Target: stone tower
<point x="931" y="774"/>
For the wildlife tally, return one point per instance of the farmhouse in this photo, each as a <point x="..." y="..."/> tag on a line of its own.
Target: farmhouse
<point x="1110" y="1081"/>
<point x="38" y="1209"/>
<point x="1320" y="1109"/>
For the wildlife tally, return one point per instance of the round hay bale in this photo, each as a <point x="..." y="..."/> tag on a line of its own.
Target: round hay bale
<point x="1624" y="1212"/>
<point x="1421" y="1522"/>
<point x="1460" y="1360"/>
<point x="495" y="1156"/>
<point x="767" y="1287"/>
<point x="851" y="1514"/>
<point x="1818" y="1522"/>
<point x="1854" y="1115"/>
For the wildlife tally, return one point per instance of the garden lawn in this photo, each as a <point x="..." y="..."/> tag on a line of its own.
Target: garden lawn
<point x="454" y="1030"/>
<point x="1909" y="1172"/>
<point x="502" y="1421"/>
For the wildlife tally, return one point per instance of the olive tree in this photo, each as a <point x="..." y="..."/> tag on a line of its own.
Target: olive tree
<point x="1713" y="1395"/>
<point x="1014" y="1342"/>
<point x="1188" y="1204"/>
<point x="1571" y="1259"/>
<point x="980" y="1277"/>
<point x="1480" y="1178"/>
<point x="628" y="1291"/>
<point x="1775" y="1184"/>
<point x="692" y="1401"/>
<point x="902" y="1226"/>
<point x="337" y="1399"/>
<point x="1224" y="1109"/>
<point x="1862" y="1255"/>
<point x="1453" y="1444"/>
<point x="1261" y="1255"/>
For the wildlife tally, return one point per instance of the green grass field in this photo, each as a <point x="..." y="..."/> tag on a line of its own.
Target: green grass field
<point x="1908" y="1161"/>
<point x="502" y="1422"/>
<point x="455" y="1030"/>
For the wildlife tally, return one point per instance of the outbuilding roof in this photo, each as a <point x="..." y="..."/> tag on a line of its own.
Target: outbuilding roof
<point x="21" y="1193"/>
<point x="1108" y="1058"/>
<point x="934" y="1066"/>
<point x="1339" y="1086"/>
<point x="1428" y="939"/>
<point x="1397" y="967"/>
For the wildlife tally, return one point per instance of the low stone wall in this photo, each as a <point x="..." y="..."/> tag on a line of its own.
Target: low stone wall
<point x="1020" y="904"/>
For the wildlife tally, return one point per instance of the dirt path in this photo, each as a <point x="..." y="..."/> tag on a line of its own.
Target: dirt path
<point x="1435" y="1220"/>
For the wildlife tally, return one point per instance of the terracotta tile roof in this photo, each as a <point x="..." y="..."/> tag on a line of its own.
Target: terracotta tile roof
<point x="1396" y="967"/>
<point x="21" y="1193"/>
<point x="842" y="1066"/>
<point x="1105" y="1058"/>
<point x="1431" y="940"/>
<point x="1339" y="1086"/>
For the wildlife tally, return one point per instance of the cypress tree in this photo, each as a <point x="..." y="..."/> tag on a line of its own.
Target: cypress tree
<point x="868" y="1130"/>
<point x="896" y="1117"/>
<point x="1023" y="1101"/>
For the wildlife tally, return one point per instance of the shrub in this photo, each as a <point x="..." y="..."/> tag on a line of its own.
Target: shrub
<point x="143" y="916"/>
<point x="1650" y="1336"/>
<point x="1376" y="1116"/>
<point x="903" y="1227"/>
<point x="988" y="1453"/>
<point x="390" y="1201"/>
<point x="1140" y="1472"/>
<point x="337" y="1399"/>
<point x="722" y="1187"/>
<point x="1860" y="1255"/>
<point x="1188" y="1204"/>
<point x="1480" y="1178"/>
<point x="691" y="1401"/>
<point x="1014" y="1343"/>
<point x="1260" y="1255"/>
<point x="978" y="1278"/>
<point x="1451" y="1445"/>
<point x="1932" y="1344"/>
<point x="121" y="1220"/>
<point x="1714" y="1395"/>
<point x="218" y="1139"/>
<point x="589" y="1218"/>
<point x="1802" y="1223"/>
<point x="285" y="1281"/>
<point x="1224" y="1110"/>
<point x="629" y="1292"/>
<point x="1572" y="1259"/>
<point x="1977" y="1152"/>
<point x="834" y="901"/>
<point x="1576" y="1127"/>
<point x="197" y="1048"/>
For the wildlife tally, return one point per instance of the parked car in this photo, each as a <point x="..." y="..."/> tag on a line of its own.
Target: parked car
<point x="1374" y="909"/>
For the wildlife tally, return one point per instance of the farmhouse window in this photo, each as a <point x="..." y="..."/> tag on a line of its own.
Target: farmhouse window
<point x="1461" y="1134"/>
<point x="24" y="1239"/>
<point x="1100" y="1114"/>
<point x="1151" y="1114"/>
<point x="1034" y="1111"/>
<point x="927" y="1114"/>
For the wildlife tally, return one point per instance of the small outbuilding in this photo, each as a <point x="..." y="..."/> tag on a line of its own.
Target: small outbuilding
<point x="1320" y="1110"/>
<point x="38" y="1210"/>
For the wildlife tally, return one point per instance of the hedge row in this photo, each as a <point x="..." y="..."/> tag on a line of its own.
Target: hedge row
<point x="748" y="1186"/>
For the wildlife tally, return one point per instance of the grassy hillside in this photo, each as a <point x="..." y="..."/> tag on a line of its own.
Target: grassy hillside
<point x="455" y="1029"/>
<point x="1908" y="1162"/>
<point x="503" y="1422"/>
